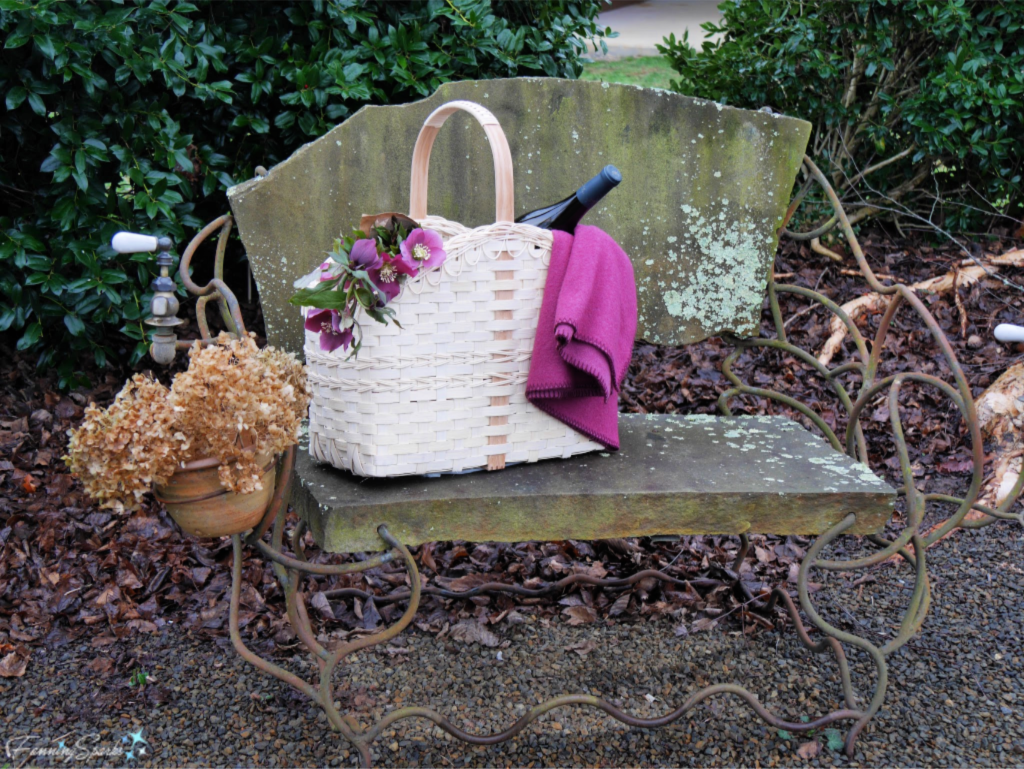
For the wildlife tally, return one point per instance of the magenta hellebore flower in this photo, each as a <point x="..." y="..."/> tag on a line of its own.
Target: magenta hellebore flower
<point x="386" y="276"/>
<point x="386" y="279"/>
<point x="423" y="249"/>
<point x="328" y="324"/>
<point x="364" y="256"/>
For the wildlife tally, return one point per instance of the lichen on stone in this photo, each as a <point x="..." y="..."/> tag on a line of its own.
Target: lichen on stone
<point x="728" y="280"/>
<point x="700" y="418"/>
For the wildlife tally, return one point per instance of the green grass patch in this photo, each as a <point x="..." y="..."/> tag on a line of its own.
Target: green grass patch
<point x="648" y="71"/>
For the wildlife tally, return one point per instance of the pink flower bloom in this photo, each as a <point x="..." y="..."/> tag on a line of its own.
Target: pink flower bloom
<point x="386" y="279"/>
<point x="386" y="276"/>
<point x="364" y="255"/>
<point x="325" y="271"/>
<point x="402" y="268"/>
<point x="328" y="324"/>
<point x="422" y="250"/>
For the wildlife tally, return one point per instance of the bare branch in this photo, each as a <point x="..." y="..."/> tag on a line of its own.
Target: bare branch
<point x="870" y="169"/>
<point x="893" y="195"/>
<point x="905" y="211"/>
<point x="851" y="85"/>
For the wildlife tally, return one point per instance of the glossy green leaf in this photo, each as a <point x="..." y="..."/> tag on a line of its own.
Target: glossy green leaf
<point x="74" y="325"/>
<point x="35" y="101"/>
<point x="140" y="115"/>
<point x="15" y="97"/>
<point x="921" y="83"/>
<point x="32" y="334"/>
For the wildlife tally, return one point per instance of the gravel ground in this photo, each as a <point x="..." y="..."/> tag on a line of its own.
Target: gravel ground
<point x="956" y="694"/>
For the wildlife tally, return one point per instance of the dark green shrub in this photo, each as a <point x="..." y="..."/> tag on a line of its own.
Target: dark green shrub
<point x="139" y="115"/>
<point x="935" y="87"/>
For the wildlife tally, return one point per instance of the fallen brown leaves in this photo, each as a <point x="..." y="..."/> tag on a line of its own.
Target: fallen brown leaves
<point x="582" y="648"/>
<point x="580" y="615"/>
<point x="69" y="569"/>
<point x="809" y="750"/>
<point x="13" y="663"/>
<point x="961" y="275"/>
<point x="470" y="631"/>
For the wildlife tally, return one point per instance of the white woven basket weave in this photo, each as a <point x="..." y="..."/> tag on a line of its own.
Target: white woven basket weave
<point x="447" y="391"/>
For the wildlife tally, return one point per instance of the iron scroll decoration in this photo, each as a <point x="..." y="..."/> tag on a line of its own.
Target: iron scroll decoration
<point x="910" y="544"/>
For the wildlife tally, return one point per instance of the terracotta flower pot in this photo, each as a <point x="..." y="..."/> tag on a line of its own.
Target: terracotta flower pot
<point x="201" y="506"/>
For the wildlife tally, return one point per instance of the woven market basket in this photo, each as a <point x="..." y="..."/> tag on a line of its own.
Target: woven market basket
<point x="447" y="391"/>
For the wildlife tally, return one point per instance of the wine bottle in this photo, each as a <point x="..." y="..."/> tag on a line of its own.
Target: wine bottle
<point x="566" y="214"/>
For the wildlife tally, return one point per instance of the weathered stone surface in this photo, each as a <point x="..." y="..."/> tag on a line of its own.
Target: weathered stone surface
<point x="673" y="475"/>
<point x="704" y="190"/>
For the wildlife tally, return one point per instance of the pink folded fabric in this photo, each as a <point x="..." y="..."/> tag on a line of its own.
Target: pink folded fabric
<point x="585" y="334"/>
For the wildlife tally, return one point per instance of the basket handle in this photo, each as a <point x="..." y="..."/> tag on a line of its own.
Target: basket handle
<point x="504" y="207"/>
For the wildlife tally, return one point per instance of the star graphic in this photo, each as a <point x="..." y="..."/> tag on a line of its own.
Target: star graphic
<point x="61" y="744"/>
<point x="142" y="751"/>
<point x="129" y="756"/>
<point x="137" y="738"/>
<point x="124" y="739"/>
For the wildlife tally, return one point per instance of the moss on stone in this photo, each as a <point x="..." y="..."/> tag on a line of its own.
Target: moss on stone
<point x="704" y="189"/>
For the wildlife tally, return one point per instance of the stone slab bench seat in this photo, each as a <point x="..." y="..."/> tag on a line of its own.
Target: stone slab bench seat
<point x="673" y="475"/>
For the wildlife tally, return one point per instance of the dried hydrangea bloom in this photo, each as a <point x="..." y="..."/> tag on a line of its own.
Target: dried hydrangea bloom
<point x="289" y="369"/>
<point x="120" y="451"/>
<point x="236" y="403"/>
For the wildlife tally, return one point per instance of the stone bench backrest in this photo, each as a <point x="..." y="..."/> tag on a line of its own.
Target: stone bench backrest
<point x="704" y="191"/>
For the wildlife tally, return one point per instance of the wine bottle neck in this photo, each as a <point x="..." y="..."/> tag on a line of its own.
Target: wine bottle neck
<point x="599" y="186"/>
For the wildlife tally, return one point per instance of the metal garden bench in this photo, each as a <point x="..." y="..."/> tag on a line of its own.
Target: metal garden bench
<point x="703" y="201"/>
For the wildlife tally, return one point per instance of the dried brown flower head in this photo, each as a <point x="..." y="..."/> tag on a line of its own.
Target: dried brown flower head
<point x="290" y="370"/>
<point x="118" y="452"/>
<point x="234" y="402"/>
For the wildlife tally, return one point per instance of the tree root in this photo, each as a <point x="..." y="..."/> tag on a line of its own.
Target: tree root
<point x="871" y="303"/>
<point x="1000" y="410"/>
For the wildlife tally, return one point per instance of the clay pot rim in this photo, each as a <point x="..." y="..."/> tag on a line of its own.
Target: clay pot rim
<point x="198" y="464"/>
<point x="265" y="467"/>
<point x="207" y="462"/>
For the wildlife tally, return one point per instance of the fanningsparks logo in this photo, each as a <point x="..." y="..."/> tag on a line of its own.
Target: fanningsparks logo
<point x="131" y="747"/>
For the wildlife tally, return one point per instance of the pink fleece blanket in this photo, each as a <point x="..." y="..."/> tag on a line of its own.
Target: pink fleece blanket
<point x="585" y="334"/>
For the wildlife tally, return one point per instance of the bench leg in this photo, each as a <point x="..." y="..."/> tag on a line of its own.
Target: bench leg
<point x="871" y="376"/>
<point x="836" y="637"/>
<point x="288" y="570"/>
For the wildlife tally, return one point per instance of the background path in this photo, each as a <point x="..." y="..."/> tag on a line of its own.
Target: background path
<point x="642" y="26"/>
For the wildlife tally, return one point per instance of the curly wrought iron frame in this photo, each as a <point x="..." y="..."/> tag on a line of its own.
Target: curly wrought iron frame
<point x="911" y="543"/>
